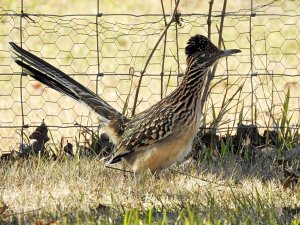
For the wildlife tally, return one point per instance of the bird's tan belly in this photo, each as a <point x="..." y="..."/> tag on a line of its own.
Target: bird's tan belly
<point x="163" y="153"/>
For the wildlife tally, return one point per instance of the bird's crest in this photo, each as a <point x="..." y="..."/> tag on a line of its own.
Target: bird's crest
<point x="200" y="44"/>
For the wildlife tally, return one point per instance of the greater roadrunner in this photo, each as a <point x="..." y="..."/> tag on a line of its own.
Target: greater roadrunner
<point x="157" y="137"/>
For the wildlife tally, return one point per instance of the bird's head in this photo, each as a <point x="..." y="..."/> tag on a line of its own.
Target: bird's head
<point x="204" y="52"/>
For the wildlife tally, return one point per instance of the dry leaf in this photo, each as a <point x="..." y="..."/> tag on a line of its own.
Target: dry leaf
<point x="291" y="179"/>
<point x="4" y="210"/>
<point x="101" y="207"/>
<point x="291" y="210"/>
<point x="42" y="222"/>
<point x="37" y="85"/>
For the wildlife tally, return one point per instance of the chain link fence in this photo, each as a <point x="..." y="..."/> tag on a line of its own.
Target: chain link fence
<point x="107" y="52"/>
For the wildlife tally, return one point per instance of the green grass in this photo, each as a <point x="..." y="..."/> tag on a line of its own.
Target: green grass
<point x="226" y="189"/>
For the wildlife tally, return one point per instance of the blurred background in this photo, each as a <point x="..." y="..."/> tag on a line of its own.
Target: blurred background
<point x="105" y="45"/>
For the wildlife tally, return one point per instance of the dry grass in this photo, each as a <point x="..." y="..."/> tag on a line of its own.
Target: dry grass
<point x="228" y="190"/>
<point x="217" y="191"/>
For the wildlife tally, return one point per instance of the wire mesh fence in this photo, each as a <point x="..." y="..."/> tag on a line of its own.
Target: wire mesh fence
<point x="107" y="52"/>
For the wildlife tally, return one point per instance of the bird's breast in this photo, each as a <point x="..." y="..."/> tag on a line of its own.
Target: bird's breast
<point x="163" y="153"/>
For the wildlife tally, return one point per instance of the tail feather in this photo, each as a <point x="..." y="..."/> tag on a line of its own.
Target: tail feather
<point x="59" y="81"/>
<point x="50" y="82"/>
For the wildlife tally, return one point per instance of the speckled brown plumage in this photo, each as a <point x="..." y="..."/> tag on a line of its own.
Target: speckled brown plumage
<point x="159" y="136"/>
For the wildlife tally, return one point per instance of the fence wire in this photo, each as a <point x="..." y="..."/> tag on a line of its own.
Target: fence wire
<point x="107" y="52"/>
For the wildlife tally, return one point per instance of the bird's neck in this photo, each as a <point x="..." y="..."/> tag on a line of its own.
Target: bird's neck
<point x="185" y="100"/>
<point x="194" y="78"/>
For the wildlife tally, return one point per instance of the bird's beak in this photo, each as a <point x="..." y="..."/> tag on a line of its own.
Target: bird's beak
<point x="228" y="52"/>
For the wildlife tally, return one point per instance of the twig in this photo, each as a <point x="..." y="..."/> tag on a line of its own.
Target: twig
<point x="211" y="2"/>
<point x="168" y="82"/>
<point x="177" y="47"/>
<point x="150" y="56"/>
<point x="164" y="53"/>
<point x="211" y="74"/>
<point x="227" y="82"/>
<point x="222" y="24"/>
<point x="251" y="61"/>
<point x="264" y="5"/>
<point x="224" y="108"/>
<point x="118" y="169"/>
<point x="125" y="107"/>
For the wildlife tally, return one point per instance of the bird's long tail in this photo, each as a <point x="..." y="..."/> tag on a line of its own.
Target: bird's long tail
<point x="58" y="80"/>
